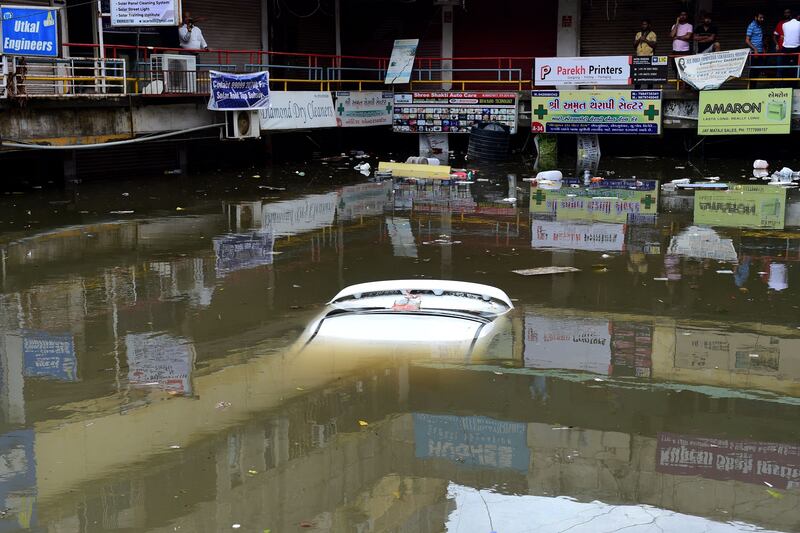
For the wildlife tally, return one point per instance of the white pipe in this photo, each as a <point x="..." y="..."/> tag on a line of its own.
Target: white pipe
<point x="108" y="144"/>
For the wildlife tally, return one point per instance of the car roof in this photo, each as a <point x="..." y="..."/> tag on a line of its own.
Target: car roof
<point x="418" y="285"/>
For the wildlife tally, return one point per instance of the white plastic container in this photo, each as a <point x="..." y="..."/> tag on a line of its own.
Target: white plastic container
<point x="550" y="175"/>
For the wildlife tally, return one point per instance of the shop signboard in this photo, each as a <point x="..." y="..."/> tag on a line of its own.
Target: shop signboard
<point x="472" y="440"/>
<point x="145" y="12"/>
<point x="649" y="69"/>
<point x="600" y="70"/>
<point x="769" y="464"/>
<point x="601" y="112"/>
<point x="238" y="92"/>
<point x="299" y="110"/>
<point x="49" y="355"/>
<point x="596" y="237"/>
<point x="710" y="71"/>
<point x="745" y="112"/>
<point x="401" y="62"/>
<point x="744" y="206"/>
<point x="452" y="112"/>
<point x="29" y="31"/>
<point x="357" y="109"/>
<point x="567" y="343"/>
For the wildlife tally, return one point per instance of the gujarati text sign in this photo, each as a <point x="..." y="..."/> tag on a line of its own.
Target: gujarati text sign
<point x="601" y="112"/>
<point x="355" y="109"/>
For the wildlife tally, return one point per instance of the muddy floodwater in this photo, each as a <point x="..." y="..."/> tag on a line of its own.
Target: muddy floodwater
<point x="156" y="374"/>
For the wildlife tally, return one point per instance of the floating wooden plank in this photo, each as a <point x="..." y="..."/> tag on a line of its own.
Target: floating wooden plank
<point x="546" y="270"/>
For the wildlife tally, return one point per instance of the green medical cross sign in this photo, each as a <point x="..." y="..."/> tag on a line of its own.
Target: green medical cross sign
<point x="647" y="201"/>
<point x="540" y="197"/>
<point x="340" y="109"/>
<point x="651" y="112"/>
<point x="389" y="109"/>
<point x="540" y="112"/>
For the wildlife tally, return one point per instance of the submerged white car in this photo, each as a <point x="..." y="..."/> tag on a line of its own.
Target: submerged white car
<point x="433" y="319"/>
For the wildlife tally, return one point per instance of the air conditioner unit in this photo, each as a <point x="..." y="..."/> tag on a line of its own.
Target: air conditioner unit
<point x="242" y="124"/>
<point x="178" y="72"/>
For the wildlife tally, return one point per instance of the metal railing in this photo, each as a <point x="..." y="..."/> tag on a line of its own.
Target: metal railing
<point x="4" y="77"/>
<point x="30" y="77"/>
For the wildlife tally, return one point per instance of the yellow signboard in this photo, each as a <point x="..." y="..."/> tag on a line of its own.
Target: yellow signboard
<point x="746" y="112"/>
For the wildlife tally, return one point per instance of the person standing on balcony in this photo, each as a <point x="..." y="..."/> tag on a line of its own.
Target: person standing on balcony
<point x="191" y="37"/>
<point x="705" y="36"/>
<point x="681" y="34"/>
<point x="790" y="45"/>
<point x="777" y="35"/>
<point x="754" y="39"/>
<point x="645" y="46"/>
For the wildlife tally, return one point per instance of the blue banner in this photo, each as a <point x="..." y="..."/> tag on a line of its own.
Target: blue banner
<point x="238" y="92"/>
<point x="472" y="440"/>
<point x="49" y="356"/>
<point x="29" y="31"/>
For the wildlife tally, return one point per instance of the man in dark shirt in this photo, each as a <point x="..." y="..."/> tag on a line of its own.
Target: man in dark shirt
<point x="705" y="36"/>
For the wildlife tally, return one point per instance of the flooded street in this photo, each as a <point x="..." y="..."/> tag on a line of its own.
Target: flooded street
<point x="158" y="373"/>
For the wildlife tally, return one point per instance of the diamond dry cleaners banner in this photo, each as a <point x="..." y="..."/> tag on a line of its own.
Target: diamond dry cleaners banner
<point x="239" y="92"/>
<point x="745" y="112"/>
<point x="601" y="112"/>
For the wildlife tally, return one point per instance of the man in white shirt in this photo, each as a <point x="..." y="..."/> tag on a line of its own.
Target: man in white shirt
<point x="791" y="45"/>
<point x="191" y="37"/>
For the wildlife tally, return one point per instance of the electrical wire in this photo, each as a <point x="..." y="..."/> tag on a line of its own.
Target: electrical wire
<point x="12" y="144"/>
<point x="319" y="5"/>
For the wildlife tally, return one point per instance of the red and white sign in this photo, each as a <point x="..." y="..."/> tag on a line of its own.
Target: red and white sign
<point x="601" y="70"/>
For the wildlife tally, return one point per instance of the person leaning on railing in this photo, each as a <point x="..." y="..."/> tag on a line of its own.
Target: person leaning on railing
<point x="754" y="39"/>
<point x="791" y="47"/>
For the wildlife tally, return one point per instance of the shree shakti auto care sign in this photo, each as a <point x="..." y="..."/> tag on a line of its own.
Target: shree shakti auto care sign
<point x="452" y="112"/>
<point x="600" y="112"/>
<point x="745" y="112"/>
<point x="774" y="464"/>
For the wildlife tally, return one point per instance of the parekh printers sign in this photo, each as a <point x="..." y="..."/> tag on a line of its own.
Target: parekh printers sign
<point x="605" y="70"/>
<point x="29" y="31"/>
<point x="299" y="110"/>
<point x="145" y="12"/>
<point x="355" y="109"/>
<point x="709" y="71"/>
<point x="238" y="92"/>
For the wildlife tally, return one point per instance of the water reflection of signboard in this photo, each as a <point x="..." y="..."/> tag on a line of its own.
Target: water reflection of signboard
<point x="17" y="481"/>
<point x="702" y="243"/>
<point x="601" y="112"/>
<point x="243" y="251"/>
<point x="452" y="112"/>
<point x="568" y="236"/>
<point x="744" y="206"/>
<point x="632" y="349"/>
<point x="568" y="343"/>
<point x="601" y="204"/>
<point x="363" y="200"/>
<point x="49" y="356"/>
<point x="304" y="214"/>
<point x="402" y="237"/>
<point x="697" y="349"/>
<point x="764" y="463"/>
<point x="160" y="360"/>
<point x="472" y="440"/>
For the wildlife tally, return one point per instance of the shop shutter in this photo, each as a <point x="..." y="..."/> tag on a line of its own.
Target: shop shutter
<point x="609" y="26"/>
<point x="228" y="25"/>
<point x="733" y="16"/>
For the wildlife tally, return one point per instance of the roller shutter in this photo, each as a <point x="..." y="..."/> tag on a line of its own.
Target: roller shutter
<point x="608" y="27"/>
<point x="228" y="24"/>
<point x="733" y="16"/>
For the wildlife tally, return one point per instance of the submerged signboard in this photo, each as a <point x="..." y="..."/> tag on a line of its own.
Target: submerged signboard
<point x="472" y="440"/>
<point x="601" y="112"/>
<point x="744" y="206"/>
<point x="745" y="112"/>
<point x="597" y="237"/>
